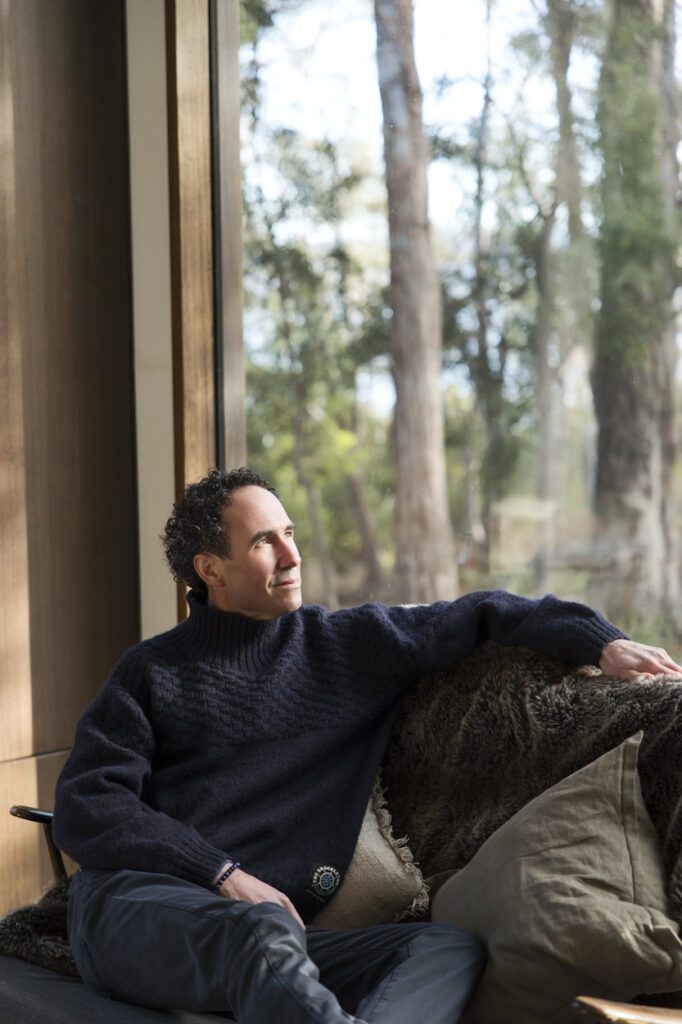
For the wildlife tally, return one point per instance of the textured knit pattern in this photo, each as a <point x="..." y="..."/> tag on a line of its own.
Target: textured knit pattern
<point x="229" y="737"/>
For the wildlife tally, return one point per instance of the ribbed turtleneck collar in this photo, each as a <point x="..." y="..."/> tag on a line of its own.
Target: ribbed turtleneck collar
<point x="246" y="642"/>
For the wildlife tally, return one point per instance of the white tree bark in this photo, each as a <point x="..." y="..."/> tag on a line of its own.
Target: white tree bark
<point x="425" y="551"/>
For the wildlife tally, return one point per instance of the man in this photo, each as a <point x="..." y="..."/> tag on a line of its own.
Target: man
<point x="217" y="784"/>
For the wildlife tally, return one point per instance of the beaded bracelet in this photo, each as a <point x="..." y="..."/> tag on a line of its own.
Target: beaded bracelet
<point x="226" y="874"/>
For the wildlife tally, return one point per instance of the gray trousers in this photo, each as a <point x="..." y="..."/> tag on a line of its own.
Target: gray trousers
<point x="159" y="941"/>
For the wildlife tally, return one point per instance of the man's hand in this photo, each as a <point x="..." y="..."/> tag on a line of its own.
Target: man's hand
<point x="627" y="658"/>
<point x="242" y="886"/>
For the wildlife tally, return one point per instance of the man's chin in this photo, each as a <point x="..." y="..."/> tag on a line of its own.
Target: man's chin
<point x="288" y="597"/>
<point x="294" y="599"/>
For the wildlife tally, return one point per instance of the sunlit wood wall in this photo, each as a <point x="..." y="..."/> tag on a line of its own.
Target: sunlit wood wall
<point x="68" y="447"/>
<point x="69" y="592"/>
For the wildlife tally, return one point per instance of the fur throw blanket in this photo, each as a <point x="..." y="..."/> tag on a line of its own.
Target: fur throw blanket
<point x="469" y="748"/>
<point x="37" y="933"/>
<point x="474" y="744"/>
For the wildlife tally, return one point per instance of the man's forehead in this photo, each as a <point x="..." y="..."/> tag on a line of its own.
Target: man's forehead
<point x="255" y="509"/>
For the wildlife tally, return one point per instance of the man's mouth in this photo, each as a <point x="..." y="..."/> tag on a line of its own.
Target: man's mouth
<point x="290" y="582"/>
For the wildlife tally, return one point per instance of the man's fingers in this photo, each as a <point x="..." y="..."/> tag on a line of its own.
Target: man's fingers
<point x="242" y="886"/>
<point x="288" y="905"/>
<point x="671" y="666"/>
<point x="628" y="659"/>
<point x="662" y="662"/>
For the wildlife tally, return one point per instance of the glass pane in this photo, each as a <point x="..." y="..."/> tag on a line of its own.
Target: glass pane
<point x="552" y="190"/>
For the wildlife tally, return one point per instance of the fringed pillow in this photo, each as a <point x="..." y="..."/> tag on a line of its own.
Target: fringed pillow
<point x="383" y="883"/>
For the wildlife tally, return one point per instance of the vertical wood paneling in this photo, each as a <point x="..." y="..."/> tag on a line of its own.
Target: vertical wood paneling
<point x="230" y="190"/>
<point x="15" y="662"/>
<point x="21" y="880"/>
<point x="146" y="63"/>
<point x="70" y="116"/>
<point x="67" y="463"/>
<point x="27" y="870"/>
<point x="189" y="141"/>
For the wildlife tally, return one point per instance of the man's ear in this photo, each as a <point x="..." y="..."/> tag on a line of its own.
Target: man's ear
<point x="210" y="569"/>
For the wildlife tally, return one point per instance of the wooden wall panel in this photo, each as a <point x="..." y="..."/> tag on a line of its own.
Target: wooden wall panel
<point x="229" y="230"/>
<point x="189" y="142"/>
<point x="74" y="316"/>
<point x="30" y="781"/>
<point x="15" y="663"/>
<point x="19" y="840"/>
<point x="150" y="238"/>
<point x="67" y="454"/>
<point x="67" y="461"/>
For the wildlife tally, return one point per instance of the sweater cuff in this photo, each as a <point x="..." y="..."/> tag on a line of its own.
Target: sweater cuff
<point x="595" y="634"/>
<point x="199" y="861"/>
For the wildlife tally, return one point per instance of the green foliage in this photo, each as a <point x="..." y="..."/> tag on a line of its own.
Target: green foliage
<point x="255" y="15"/>
<point x="443" y="146"/>
<point x="531" y="46"/>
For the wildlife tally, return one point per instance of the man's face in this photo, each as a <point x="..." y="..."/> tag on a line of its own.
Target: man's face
<point x="262" y="576"/>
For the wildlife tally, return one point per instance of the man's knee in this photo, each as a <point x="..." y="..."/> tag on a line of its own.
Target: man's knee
<point x="270" y="923"/>
<point x="464" y="951"/>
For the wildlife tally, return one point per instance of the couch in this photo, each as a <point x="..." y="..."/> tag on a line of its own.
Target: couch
<point x="472" y="756"/>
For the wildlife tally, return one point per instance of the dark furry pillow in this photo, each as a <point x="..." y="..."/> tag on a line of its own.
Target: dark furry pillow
<point x="37" y="932"/>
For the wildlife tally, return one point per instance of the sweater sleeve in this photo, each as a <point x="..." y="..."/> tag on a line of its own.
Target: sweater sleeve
<point x="101" y="819"/>
<point x="434" y="637"/>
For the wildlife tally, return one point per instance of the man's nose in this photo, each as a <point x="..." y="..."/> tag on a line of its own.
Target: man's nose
<point x="288" y="555"/>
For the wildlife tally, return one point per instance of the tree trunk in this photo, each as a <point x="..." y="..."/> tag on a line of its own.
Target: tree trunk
<point x="331" y="596"/>
<point x="544" y="260"/>
<point x="488" y="384"/>
<point x="546" y="387"/>
<point x="565" y="278"/>
<point x="561" y="23"/>
<point x="370" y="556"/>
<point x="578" y="285"/>
<point x="374" y="576"/>
<point x="426" y="565"/>
<point x="488" y="377"/>
<point x="634" y="370"/>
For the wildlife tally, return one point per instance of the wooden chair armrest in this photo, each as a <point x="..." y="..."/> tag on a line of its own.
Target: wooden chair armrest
<point x="44" y="818"/>
<point x="32" y="814"/>
<point x="626" y="1013"/>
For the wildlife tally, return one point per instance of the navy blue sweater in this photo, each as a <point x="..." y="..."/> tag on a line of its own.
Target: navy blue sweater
<point x="260" y="741"/>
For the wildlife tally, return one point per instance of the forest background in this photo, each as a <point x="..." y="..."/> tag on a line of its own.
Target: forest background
<point x="462" y="296"/>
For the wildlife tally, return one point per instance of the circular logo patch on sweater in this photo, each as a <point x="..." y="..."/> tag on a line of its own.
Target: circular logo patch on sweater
<point x="326" y="881"/>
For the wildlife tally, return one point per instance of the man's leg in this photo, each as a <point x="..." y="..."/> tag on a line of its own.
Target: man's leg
<point x="399" y="974"/>
<point x="158" y="941"/>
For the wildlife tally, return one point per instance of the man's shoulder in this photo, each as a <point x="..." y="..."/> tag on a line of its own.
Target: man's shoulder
<point x="157" y="649"/>
<point x="371" y="618"/>
<point x="314" y="613"/>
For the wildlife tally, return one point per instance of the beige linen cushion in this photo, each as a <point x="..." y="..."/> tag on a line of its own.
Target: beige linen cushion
<point x="568" y="896"/>
<point x="382" y="883"/>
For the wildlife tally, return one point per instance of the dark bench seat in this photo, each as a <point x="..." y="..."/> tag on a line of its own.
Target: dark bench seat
<point x="32" y="995"/>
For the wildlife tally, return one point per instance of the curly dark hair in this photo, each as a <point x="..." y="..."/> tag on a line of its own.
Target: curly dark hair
<point x="196" y="523"/>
